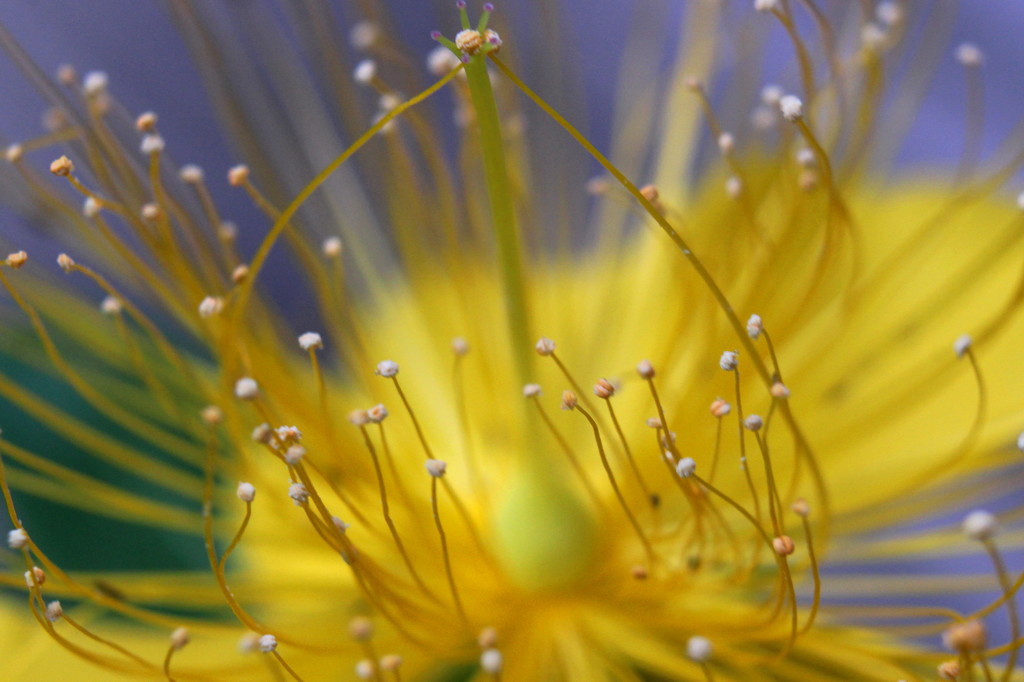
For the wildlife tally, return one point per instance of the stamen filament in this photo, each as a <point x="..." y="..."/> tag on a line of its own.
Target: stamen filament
<point x="444" y="552"/>
<point x="648" y="549"/>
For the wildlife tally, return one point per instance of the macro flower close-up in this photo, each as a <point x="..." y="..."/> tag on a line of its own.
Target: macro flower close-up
<point x="546" y="341"/>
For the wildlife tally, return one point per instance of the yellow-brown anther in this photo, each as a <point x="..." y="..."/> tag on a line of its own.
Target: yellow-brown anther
<point x="783" y="545"/>
<point x="950" y="670"/>
<point x="17" y="259"/>
<point x="650" y="192"/>
<point x="360" y="628"/>
<point x="238" y="175"/>
<point x="211" y="415"/>
<point x="62" y="167"/>
<point x="967" y="636"/>
<point x="146" y="122"/>
<point x="800" y="507"/>
<point x="569" y="400"/>
<point x="469" y="41"/>
<point x="603" y="389"/>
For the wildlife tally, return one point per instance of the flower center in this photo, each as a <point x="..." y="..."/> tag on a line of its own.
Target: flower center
<point x="545" y="538"/>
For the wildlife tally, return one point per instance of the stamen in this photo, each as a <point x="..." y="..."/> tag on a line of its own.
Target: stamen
<point x="436" y="468"/>
<point x="569" y="402"/>
<point x="699" y="650"/>
<point x="386" y="510"/>
<point x="982" y="526"/>
<point x="533" y="391"/>
<point x="492" y="662"/>
<point x="604" y="390"/>
<point x="179" y="639"/>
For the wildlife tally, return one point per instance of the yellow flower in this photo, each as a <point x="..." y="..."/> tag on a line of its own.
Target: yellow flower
<point x="718" y="426"/>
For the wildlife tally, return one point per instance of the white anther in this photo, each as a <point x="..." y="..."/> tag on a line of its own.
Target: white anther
<point x="54" y="611"/>
<point x="729" y="360"/>
<point x="806" y="158"/>
<point x="377" y="413"/>
<point x="365" y="669"/>
<point x="246" y="492"/>
<point x="492" y="661"/>
<point x="654" y="423"/>
<point x="14" y="152"/>
<point x="210" y="306"/>
<point x="726" y="143"/>
<point x="792" y="107"/>
<point x="779" y="390"/>
<point x="460" y="346"/>
<point x="544" y="346"/>
<point x="248" y="643"/>
<point x="1020" y="442"/>
<point x="969" y="54"/>
<point x="766" y="5"/>
<point x="733" y="187"/>
<point x="962" y="345"/>
<point x="268" y="643"/>
<point x="365" y="71"/>
<point x="645" y="369"/>
<point x="436" y="467"/>
<point x="387" y="368"/>
<point x="298" y="493"/>
<point x="441" y="60"/>
<point x="246" y="388"/>
<point x="180" y="638"/>
<point x="94" y="83"/>
<point x="763" y="118"/>
<point x="699" y="649"/>
<point x="191" y="173"/>
<point x="753" y="423"/>
<point x="390" y="662"/>
<point x="363" y="35"/>
<point x="980" y="525"/>
<point x="288" y="434"/>
<point x="150" y="212"/>
<point x="294" y="454"/>
<point x="533" y="390"/>
<point x="771" y="94"/>
<point x="1020" y="201"/>
<point x="331" y="247"/>
<point x="388" y="101"/>
<point x="17" y="538"/>
<point x="686" y="467"/>
<point x="211" y="415"/>
<point x="238" y="175"/>
<point x="152" y="144"/>
<point x="91" y="207"/>
<point x="872" y="36"/>
<point x="340" y="525"/>
<point x="889" y="13"/>
<point x="597" y="186"/>
<point x="65" y="262"/>
<point x="111" y="306"/>
<point x="754" y="326"/>
<point x="311" y="341"/>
